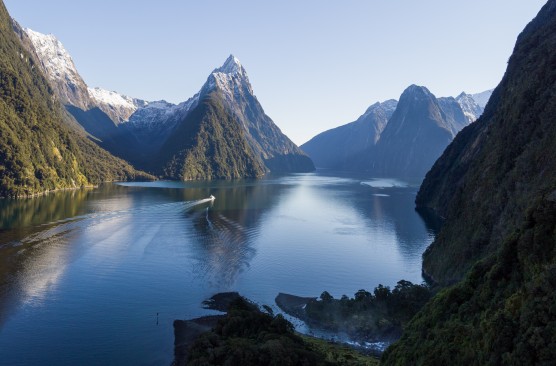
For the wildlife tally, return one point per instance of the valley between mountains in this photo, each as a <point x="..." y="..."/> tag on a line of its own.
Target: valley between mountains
<point x="222" y="132"/>
<point x="120" y="217"/>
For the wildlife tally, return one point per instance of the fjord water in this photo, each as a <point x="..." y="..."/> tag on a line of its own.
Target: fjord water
<point x="98" y="276"/>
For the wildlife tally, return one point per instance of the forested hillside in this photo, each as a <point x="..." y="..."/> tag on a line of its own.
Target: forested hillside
<point x="496" y="187"/>
<point x="38" y="151"/>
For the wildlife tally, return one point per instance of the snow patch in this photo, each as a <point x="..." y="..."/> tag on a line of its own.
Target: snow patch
<point x="110" y="97"/>
<point x="54" y="57"/>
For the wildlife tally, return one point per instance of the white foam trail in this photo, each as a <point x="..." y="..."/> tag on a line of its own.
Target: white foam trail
<point x="81" y="221"/>
<point x="386" y="183"/>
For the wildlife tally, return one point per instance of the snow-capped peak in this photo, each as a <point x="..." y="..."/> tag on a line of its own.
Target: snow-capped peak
<point x="111" y="97"/>
<point x="231" y="66"/>
<point x="469" y="106"/>
<point x="56" y="60"/>
<point x="231" y="78"/>
<point x="119" y="107"/>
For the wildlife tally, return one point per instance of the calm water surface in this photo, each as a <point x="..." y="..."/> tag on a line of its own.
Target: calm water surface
<point x="83" y="274"/>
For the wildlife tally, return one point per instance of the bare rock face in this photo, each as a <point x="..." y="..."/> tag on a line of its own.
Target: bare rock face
<point x="58" y="66"/>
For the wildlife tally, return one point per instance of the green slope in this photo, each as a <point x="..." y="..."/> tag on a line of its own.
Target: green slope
<point x="496" y="187"/>
<point x="38" y="151"/>
<point x="209" y="144"/>
<point x="486" y="180"/>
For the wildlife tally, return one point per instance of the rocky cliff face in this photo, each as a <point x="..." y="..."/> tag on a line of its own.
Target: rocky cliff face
<point x="415" y="136"/>
<point x="408" y="148"/>
<point x="496" y="187"/>
<point x="57" y="64"/>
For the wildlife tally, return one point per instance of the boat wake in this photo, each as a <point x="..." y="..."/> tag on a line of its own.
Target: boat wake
<point x="62" y="227"/>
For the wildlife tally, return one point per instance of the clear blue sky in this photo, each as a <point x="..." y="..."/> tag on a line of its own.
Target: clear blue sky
<point x="313" y="64"/>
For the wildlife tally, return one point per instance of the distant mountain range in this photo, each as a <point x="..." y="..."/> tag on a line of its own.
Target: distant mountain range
<point x="175" y="141"/>
<point x="396" y="139"/>
<point x="222" y="132"/>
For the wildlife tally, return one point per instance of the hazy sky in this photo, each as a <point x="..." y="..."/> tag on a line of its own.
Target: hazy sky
<point x="313" y="64"/>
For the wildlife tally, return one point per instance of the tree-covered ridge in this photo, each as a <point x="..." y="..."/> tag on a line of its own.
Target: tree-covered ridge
<point x="246" y="336"/>
<point x="38" y="152"/>
<point x="502" y="313"/>
<point x="496" y="186"/>
<point x="369" y="317"/>
<point x="377" y="316"/>
<point x="487" y="178"/>
<point x="209" y="144"/>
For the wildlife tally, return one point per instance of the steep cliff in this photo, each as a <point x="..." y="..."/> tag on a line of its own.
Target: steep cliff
<point x="496" y="187"/>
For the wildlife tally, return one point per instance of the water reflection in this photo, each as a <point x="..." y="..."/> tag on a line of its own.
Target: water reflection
<point x="395" y="206"/>
<point x="227" y="231"/>
<point x="97" y="264"/>
<point x="107" y="222"/>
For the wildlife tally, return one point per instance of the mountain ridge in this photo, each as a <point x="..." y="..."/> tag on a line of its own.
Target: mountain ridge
<point x="137" y="131"/>
<point x="357" y="145"/>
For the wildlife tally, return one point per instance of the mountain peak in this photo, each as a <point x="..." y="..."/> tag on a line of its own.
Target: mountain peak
<point x="416" y="89"/>
<point x="231" y="66"/>
<point x="416" y="93"/>
<point x="59" y="68"/>
<point x="230" y="78"/>
<point x="56" y="59"/>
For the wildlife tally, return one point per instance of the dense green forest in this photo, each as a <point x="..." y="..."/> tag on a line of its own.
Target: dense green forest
<point x="487" y="179"/>
<point x="39" y="151"/>
<point x="376" y="316"/>
<point x="247" y="336"/>
<point x="503" y="313"/>
<point x="496" y="187"/>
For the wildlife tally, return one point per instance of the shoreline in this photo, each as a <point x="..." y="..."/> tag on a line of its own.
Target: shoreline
<point x="49" y="191"/>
